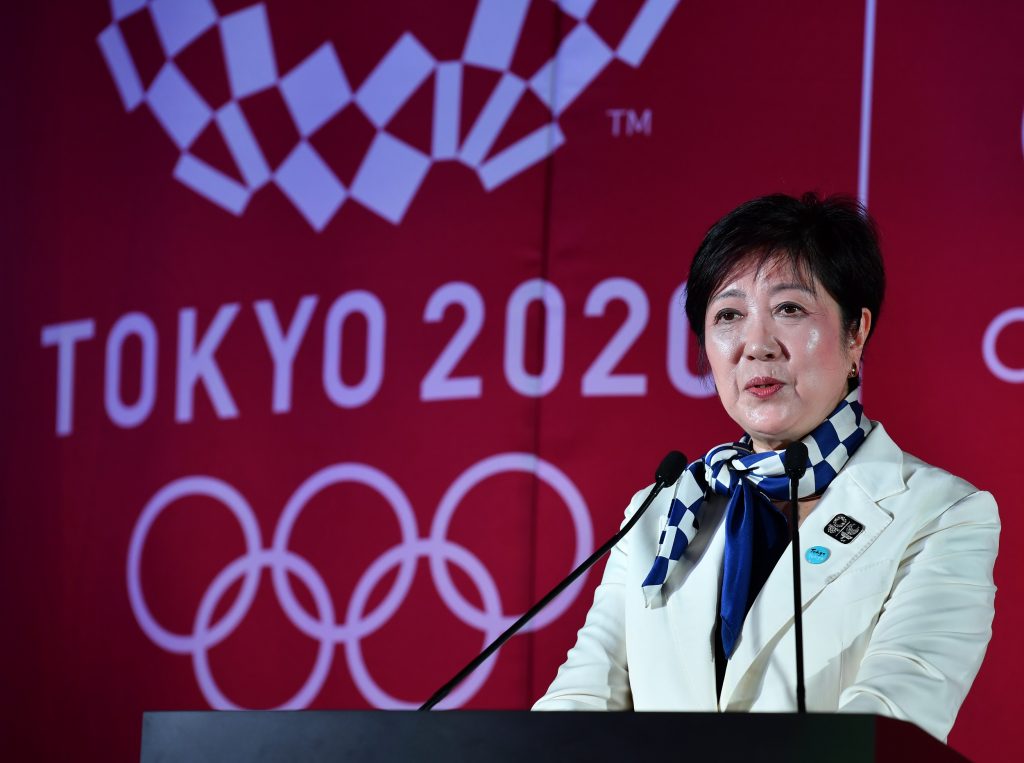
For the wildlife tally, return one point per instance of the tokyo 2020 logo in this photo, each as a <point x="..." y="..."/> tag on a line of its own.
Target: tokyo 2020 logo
<point x="317" y="90"/>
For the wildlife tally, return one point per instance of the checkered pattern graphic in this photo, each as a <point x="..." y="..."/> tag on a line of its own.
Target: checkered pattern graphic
<point x="724" y="468"/>
<point x="317" y="90"/>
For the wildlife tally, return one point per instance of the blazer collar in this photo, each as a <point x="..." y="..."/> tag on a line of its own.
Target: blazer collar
<point x="873" y="473"/>
<point x="877" y="466"/>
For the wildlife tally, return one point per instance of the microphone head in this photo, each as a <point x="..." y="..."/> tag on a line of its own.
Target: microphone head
<point x="796" y="460"/>
<point x="671" y="467"/>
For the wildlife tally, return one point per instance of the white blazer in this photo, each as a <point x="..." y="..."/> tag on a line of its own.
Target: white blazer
<point x="896" y="622"/>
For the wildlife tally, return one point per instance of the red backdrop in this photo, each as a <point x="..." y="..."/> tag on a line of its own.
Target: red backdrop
<point x="337" y="332"/>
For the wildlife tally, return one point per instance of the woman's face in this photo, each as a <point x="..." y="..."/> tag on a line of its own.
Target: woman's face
<point x="778" y="351"/>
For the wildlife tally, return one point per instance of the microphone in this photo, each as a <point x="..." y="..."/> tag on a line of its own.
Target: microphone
<point x="669" y="470"/>
<point x="796" y="465"/>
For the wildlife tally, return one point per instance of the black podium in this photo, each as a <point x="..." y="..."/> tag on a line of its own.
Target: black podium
<point x="320" y="735"/>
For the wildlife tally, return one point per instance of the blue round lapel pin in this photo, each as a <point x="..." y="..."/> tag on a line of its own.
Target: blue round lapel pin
<point x="817" y="554"/>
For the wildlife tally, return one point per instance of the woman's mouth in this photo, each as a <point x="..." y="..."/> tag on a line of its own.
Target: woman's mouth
<point x="763" y="386"/>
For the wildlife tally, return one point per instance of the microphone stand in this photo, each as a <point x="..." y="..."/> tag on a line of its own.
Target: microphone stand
<point x="667" y="474"/>
<point x="796" y="454"/>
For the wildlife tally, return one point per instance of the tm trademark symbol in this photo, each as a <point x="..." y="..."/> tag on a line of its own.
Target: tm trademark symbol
<point x="630" y="122"/>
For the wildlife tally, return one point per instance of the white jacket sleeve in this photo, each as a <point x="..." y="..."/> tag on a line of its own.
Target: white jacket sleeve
<point x="935" y="626"/>
<point x="594" y="675"/>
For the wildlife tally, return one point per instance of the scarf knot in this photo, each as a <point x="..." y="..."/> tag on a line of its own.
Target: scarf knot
<point x="750" y="481"/>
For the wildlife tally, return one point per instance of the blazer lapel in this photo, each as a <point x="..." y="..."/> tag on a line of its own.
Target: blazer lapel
<point x="873" y="473"/>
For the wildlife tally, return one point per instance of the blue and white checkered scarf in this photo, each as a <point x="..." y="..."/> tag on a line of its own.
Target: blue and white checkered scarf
<point x="749" y="479"/>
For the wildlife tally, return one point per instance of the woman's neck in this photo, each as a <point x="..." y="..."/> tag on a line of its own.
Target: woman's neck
<point x="804" y="506"/>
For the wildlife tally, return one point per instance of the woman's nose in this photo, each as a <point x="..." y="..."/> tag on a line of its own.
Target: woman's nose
<point x="760" y="342"/>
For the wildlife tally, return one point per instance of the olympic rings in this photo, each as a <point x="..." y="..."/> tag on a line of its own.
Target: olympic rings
<point x="212" y="488"/>
<point x="436" y="548"/>
<point x="245" y="565"/>
<point x="384" y="485"/>
<point x="509" y="462"/>
<point x="488" y="592"/>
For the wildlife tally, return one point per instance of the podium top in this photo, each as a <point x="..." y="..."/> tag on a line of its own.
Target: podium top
<point x="321" y="735"/>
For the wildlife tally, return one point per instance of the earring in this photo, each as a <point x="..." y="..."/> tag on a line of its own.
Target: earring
<point x="853" y="371"/>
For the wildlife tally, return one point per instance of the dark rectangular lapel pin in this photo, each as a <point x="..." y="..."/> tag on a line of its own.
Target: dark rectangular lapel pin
<point x="843" y="528"/>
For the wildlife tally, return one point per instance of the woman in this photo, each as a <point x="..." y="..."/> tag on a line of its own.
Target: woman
<point x="783" y="296"/>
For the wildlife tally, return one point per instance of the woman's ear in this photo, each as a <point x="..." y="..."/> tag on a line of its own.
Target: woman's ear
<point x="860" y="336"/>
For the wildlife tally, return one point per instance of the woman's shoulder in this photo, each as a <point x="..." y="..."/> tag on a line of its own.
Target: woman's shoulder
<point x="922" y="483"/>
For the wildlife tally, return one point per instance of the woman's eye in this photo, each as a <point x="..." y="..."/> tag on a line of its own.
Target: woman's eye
<point x="789" y="308"/>
<point x="726" y="316"/>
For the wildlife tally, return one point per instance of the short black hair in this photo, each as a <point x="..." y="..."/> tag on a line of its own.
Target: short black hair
<point x="833" y="240"/>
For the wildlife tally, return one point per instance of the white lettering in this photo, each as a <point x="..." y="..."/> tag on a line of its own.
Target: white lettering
<point x="629" y="123"/>
<point x="196" y="363"/>
<point x="523" y="382"/>
<point x="337" y="390"/>
<point x="64" y="336"/>
<point x="600" y="379"/>
<point x="639" y="125"/>
<point x="283" y="346"/>
<point x="616" y="116"/>
<point x="439" y="383"/>
<point x="284" y="335"/>
<point x="690" y="384"/>
<point x="988" y="346"/>
<point x="122" y="414"/>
